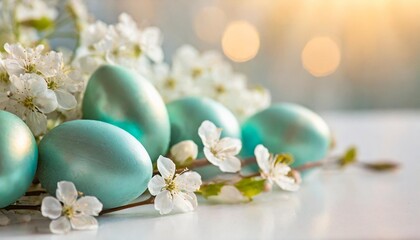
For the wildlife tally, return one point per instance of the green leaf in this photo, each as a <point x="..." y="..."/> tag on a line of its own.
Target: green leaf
<point x="212" y="189"/>
<point x="41" y="24"/>
<point x="349" y="157"/>
<point x="381" y="166"/>
<point x="250" y="187"/>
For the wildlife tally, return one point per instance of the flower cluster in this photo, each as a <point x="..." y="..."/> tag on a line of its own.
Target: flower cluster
<point x="208" y="74"/>
<point x="35" y="83"/>
<point x="25" y="21"/>
<point x="123" y="44"/>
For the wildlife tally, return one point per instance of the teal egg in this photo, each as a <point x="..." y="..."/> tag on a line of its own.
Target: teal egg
<point x="18" y="158"/>
<point x="124" y="99"/>
<point x="287" y="128"/>
<point x="100" y="159"/>
<point x="187" y="114"/>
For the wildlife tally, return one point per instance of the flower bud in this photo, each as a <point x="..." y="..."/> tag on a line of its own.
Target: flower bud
<point x="183" y="153"/>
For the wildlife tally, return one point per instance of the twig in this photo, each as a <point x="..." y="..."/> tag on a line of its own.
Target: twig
<point x="145" y="202"/>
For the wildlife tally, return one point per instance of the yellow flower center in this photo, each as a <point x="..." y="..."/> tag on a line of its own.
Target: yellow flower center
<point x="170" y="185"/>
<point x="30" y="68"/>
<point x="170" y="83"/>
<point x="68" y="211"/>
<point x="196" y="72"/>
<point x="51" y="84"/>
<point x="29" y="102"/>
<point x="4" y="77"/>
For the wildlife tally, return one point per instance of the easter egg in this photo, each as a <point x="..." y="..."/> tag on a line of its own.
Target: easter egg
<point x="187" y="114"/>
<point x="124" y="99"/>
<point x="18" y="158"/>
<point x="287" y="128"/>
<point x="102" y="160"/>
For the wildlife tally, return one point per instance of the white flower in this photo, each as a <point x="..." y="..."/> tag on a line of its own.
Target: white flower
<point x="61" y="81"/>
<point x="67" y="211"/>
<point x="20" y="60"/>
<point x="172" y="86"/>
<point x="274" y="170"/>
<point x="230" y="195"/>
<point x="34" y="10"/>
<point x="184" y="152"/>
<point x="174" y="191"/>
<point x="30" y="99"/>
<point x="220" y="152"/>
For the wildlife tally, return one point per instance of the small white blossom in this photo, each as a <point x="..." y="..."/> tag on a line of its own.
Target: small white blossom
<point x="171" y="85"/>
<point x="274" y="171"/>
<point x="35" y="10"/>
<point x="123" y="44"/>
<point x="220" y="152"/>
<point x="229" y="195"/>
<point x="184" y="152"/>
<point x="67" y="211"/>
<point x="30" y="99"/>
<point x="174" y="191"/>
<point x="20" y="60"/>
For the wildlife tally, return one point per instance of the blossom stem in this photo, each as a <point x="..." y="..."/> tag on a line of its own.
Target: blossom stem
<point x="310" y="165"/>
<point x="204" y="162"/>
<point x="145" y="202"/>
<point x="23" y="207"/>
<point x="35" y="193"/>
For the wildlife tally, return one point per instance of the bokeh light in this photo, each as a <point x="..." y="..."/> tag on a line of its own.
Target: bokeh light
<point x="240" y="41"/>
<point x="209" y="23"/>
<point x="321" y="56"/>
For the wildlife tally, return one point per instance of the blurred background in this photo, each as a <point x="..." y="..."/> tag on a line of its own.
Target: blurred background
<point x="325" y="54"/>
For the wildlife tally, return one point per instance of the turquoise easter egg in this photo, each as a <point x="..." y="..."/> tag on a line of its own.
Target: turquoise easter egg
<point x="100" y="159"/>
<point x="18" y="158"/>
<point x="124" y="99"/>
<point x="287" y="128"/>
<point x="187" y="114"/>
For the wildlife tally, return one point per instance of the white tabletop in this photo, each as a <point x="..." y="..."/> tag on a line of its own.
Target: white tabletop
<point x="353" y="203"/>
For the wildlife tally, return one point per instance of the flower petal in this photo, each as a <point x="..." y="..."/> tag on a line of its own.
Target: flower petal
<point x="262" y="155"/>
<point x="37" y="122"/>
<point x="84" y="222"/>
<point x="229" y="146"/>
<point x="211" y="158"/>
<point x="287" y="183"/>
<point x="164" y="202"/>
<point x="51" y="208"/>
<point x="60" y="226"/>
<point x="166" y="167"/>
<point x="188" y="181"/>
<point x="209" y="133"/>
<point x="88" y="206"/>
<point x="66" y="193"/>
<point x="185" y="202"/>
<point x="183" y="151"/>
<point x="230" y="164"/>
<point x="47" y="101"/>
<point x="156" y="184"/>
<point x="65" y="100"/>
